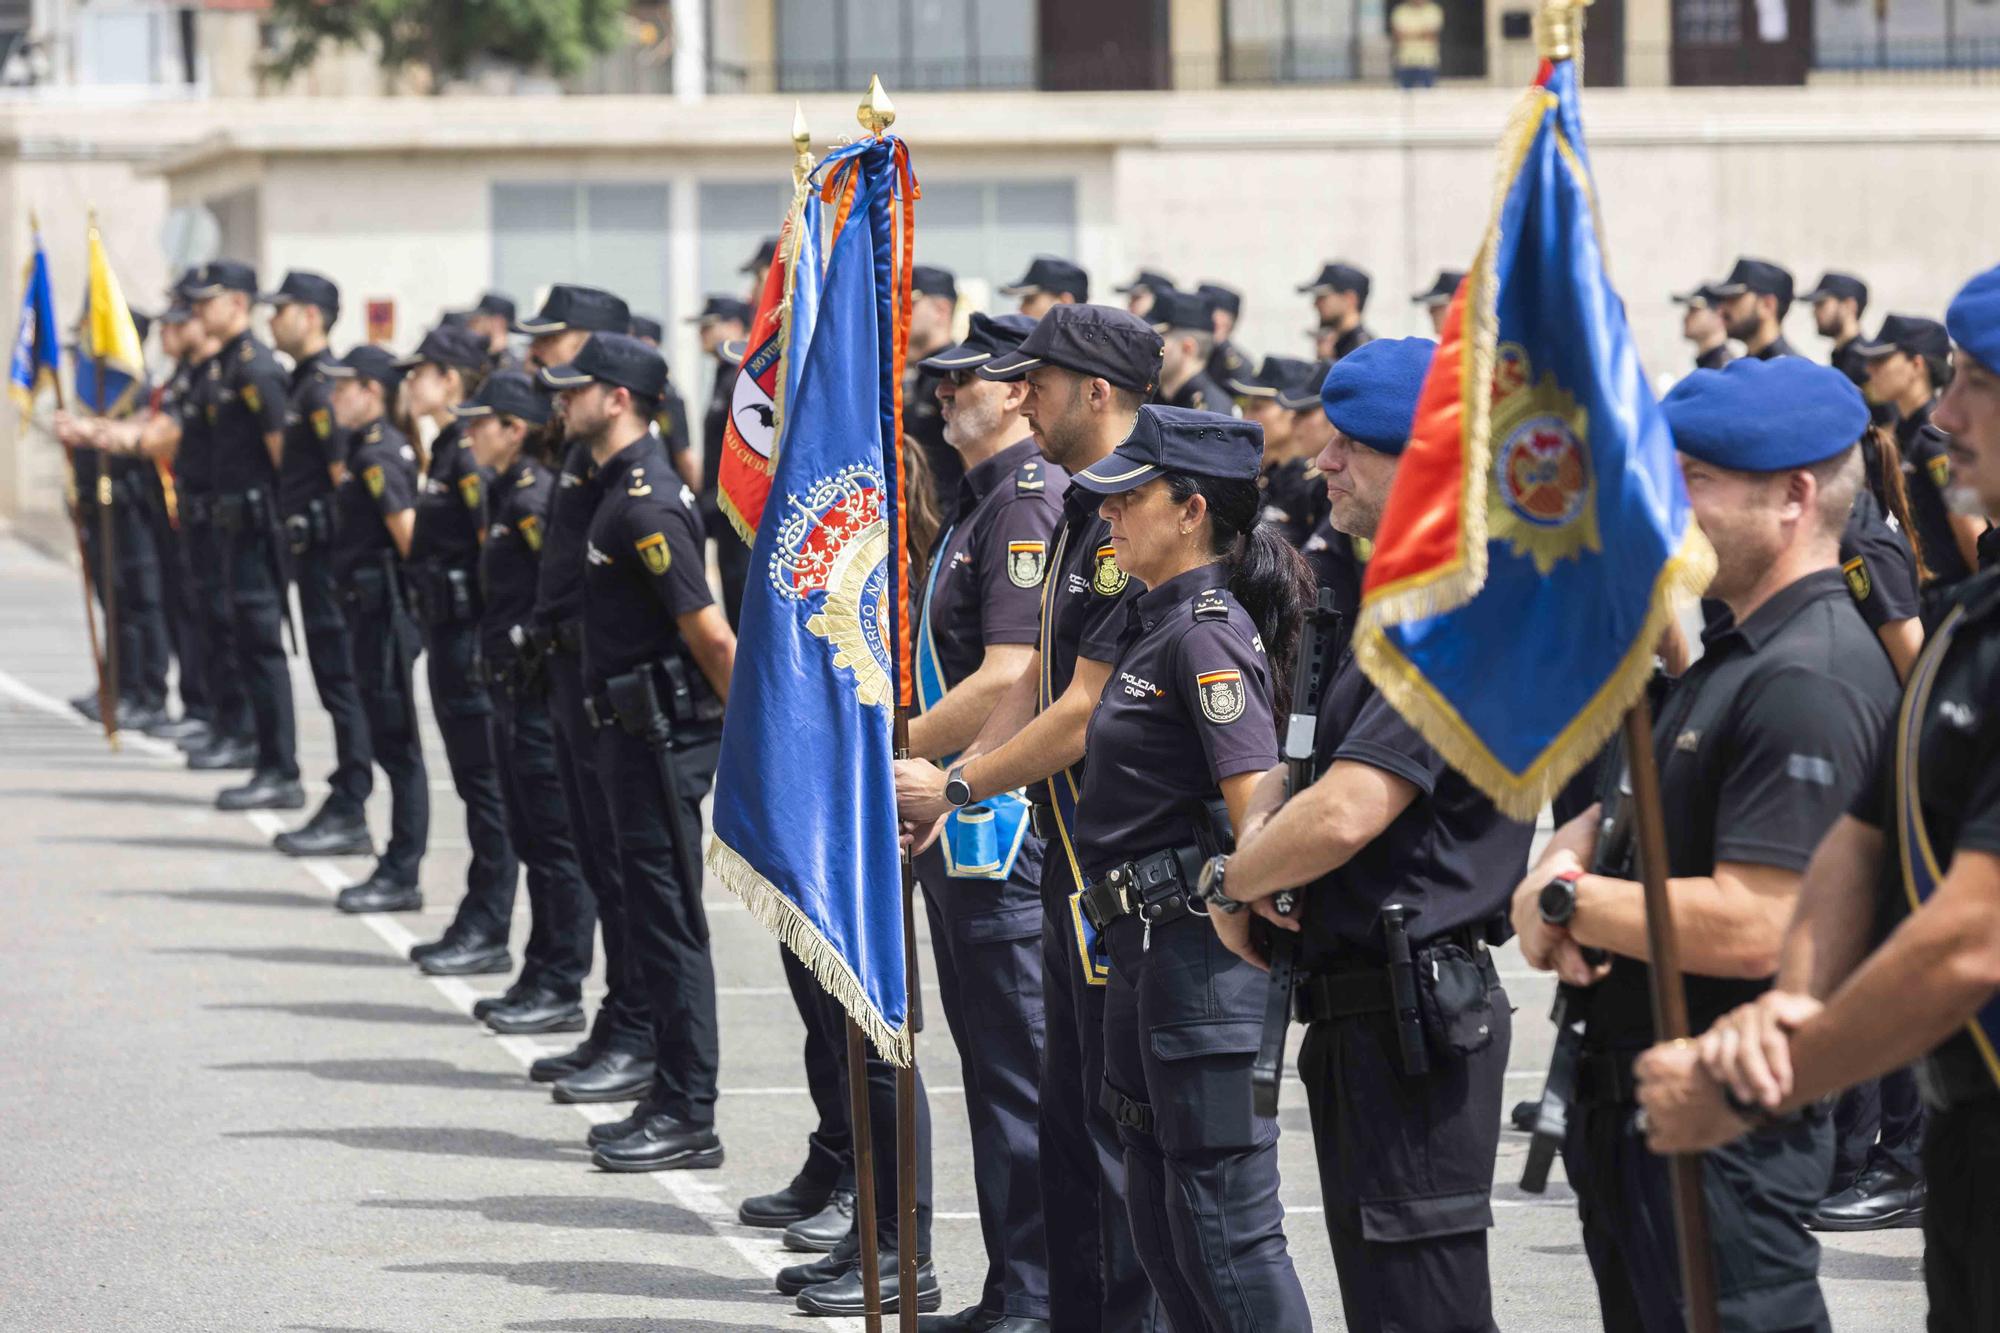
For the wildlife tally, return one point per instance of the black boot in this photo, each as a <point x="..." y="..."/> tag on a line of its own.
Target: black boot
<point x="552" y="1067"/>
<point x="481" y="1008"/>
<point x="822" y="1231"/>
<point x="663" y="1143"/>
<point x="794" y="1203"/>
<point x="818" y="1272"/>
<point x="329" y="832"/>
<point x="611" y="1130"/>
<point x="536" y="1011"/>
<point x="223" y="753"/>
<point x="380" y="892"/>
<point x="264" y="791"/>
<point x="470" y="956"/>
<point x="615" y="1076"/>
<point x="845" y="1295"/>
<point x="1882" y="1197"/>
<point x="178" y="729"/>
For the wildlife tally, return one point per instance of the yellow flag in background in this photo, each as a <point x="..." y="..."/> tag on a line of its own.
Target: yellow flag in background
<point x="108" y="330"/>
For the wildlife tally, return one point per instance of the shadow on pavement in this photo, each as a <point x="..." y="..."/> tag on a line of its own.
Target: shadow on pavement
<point x="235" y="897"/>
<point x="629" y="1325"/>
<point x="396" y="1073"/>
<point x="1862" y="1267"/>
<point x="433" y="1141"/>
<point x="358" y="1011"/>
<point x="98" y="796"/>
<point x="292" y="953"/>
<point x="577" y="1212"/>
<point x="169" y="842"/>
<point x="560" y="1278"/>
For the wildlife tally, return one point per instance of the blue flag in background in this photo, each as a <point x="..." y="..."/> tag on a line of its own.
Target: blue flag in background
<point x="37" y="353"/>
<point x="805" y="805"/>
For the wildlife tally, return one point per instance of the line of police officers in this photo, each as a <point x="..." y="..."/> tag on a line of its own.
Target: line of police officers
<point x="1111" y="618"/>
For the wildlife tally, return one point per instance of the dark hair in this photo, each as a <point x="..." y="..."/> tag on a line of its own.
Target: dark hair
<point x="1885" y="477"/>
<point x="1267" y="575"/>
<point x="1939" y="369"/>
<point x="543" y="442"/>
<point x="920" y="514"/>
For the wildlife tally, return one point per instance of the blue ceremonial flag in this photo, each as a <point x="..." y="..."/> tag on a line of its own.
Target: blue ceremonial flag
<point x="1537" y="539"/>
<point x="37" y="352"/>
<point x="805" y="805"/>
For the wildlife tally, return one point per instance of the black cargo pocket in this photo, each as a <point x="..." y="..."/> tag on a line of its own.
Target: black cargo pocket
<point x="1394" y="1221"/>
<point x="1200" y="1085"/>
<point x="1005" y="947"/>
<point x="1009" y="923"/>
<point x="1453" y="1001"/>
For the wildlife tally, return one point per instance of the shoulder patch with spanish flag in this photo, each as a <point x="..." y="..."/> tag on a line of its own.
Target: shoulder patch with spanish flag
<point x="1857" y="578"/>
<point x="1109" y="580"/>
<point x="372" y="474"/>
<point x="1222" y="696"/>
<point x="653" y="550"/>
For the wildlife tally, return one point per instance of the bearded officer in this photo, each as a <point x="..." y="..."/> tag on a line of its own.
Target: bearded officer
<point x="1049" y="282"/>
<point x="1340" y="294"/>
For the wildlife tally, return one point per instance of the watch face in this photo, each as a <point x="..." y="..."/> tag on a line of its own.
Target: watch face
<point x="1206" y="883"/>
<point x="1558" y="900"/>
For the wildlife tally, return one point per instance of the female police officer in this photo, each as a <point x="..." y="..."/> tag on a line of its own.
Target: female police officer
<point x="375" y="509"/>
<point x="444" y="568"/>
<point x="1186" y="721"/>
<point x="503" y="424"/>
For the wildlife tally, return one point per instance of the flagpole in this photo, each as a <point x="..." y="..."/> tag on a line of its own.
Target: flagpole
<point x="861" y="1135"/>
<point x="107" y="537"/>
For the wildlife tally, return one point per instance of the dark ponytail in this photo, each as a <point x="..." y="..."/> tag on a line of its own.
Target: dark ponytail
<point x="1267" y="575"/>
<point x="1885" y="475"/>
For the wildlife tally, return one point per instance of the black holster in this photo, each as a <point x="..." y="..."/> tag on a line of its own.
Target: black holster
<point x="637" y="704"/>
<point x="312" y="527"/>
<point x="449" y="594"/>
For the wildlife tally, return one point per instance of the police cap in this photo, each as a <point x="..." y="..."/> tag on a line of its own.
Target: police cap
<point x="645" y="326"/>
<point x="1149" y="280"/>
<point x="930" y="280"/>
<point x="1974" y="319"/>
<point x="1907" y="333"/>
<point x="1339" y="277"/>
<point x="1765" y="416"/>
<point x="367" y="362"/>
<point x="1370" y="395"/>
<point x="989" y="336"/>
<point x="767" y="252"/>
<point x="1841" y="287"/>
<point x="1174" y="312"/>
<point x="508" y="393"/>
<point x="1703" y="297"/>
<point x="1760" y="276"/>
<point x="722" y="308"/>
<point x="1441" y="290"/>
<point x="1277" y="374"/>
<point x="568" y="306"/>
<point x="494" y="303"/>
<point x="1302" y="394"/>
<point x="1113" y="345"/>
<point x="451" y="345"/>
<point x="617" y="359"/>
<point x="1046" y="273"/>
<point x="1178" y="439"/>
<point x="224" y="275"/>
<point x="306" y="289"/>
<point x="1226" y="299"/>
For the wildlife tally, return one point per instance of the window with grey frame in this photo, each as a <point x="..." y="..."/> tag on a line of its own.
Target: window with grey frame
<point x="835" y="45"/>
<point x="601" y="234"/>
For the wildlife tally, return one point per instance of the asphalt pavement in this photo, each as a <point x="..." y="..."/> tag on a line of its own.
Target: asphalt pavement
<point x="233" y="1108"/>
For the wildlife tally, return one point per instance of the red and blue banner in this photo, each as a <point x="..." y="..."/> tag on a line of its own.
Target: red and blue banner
<point x="1537" y="540"/>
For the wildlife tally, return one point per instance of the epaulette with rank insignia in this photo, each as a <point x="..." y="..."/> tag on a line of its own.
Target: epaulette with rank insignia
<point x="1211" y="605"/>
<point x="1028" y="478"/>
<point x="638" y="486"/>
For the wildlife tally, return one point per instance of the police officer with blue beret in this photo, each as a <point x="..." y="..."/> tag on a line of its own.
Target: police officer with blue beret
<point x="1913" y="868"/>
<point x="375" y="518"/>
<point x="1186" y="325"/>
<point x="1406" y="869"/>
<point x="1340" y="294"/>
<point x="246" y="403"/>
<point x="1088" y="369"/>
<point x="1760" y="745"/>
<point x="1185" y="730"/>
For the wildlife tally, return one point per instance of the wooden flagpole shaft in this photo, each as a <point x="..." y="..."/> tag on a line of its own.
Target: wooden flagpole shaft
<point x="906" y="1087"/>
<point x="1670" y="1017"/>
<point x="107" y="535"/>
<point x="83" y="568"/>
<point x="864" y="1173"/>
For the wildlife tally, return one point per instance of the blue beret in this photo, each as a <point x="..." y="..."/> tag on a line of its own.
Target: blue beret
<point x="1765" y="416"/>
<point x="1371" y="393"/>
<point x="1974" y="319"/>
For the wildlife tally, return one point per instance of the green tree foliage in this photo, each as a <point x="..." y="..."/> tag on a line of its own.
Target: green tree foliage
<point x="446" y="38"/>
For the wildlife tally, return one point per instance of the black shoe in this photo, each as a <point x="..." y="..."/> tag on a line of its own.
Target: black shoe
<point x="552" y="1067"/>
<point x="818" y="1272"/>
<point x="1526" y="1114"/>
<point x="663" y="1143"/>
<point x="89" y="705"/>
<point x="378" y="893"/>
<point x="327" y="833"/>
<point x="844" y="1295"/>
<point x="537" y="1011"/>
<point x="612" y="1130"/>
<point x="973" y="1319"/>
<point x="821" y="1232"/>
<point x="264" y="791"/>
<point x="178" y="729"/>
<point x="469" y="957"/>
<point x="794" y="1203"/>
<point x="139" y="717"/>
<point x="224" y="753"/>
<point x="480" y="1008"/>
<point x="1885" y="1196"/>
<point x="614" y="1076"/>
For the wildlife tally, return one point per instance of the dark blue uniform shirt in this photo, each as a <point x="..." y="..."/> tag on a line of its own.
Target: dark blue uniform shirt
<point x="987" y="586"/>
<point x="1926" y="476"/>
<point x="1880" y="568"/>
<point x="517" y="517"/>
<point x="381" y="479"/>
<point x="194" y="458"/>
<point x="559" y="586"/>
<point x="248" y="394"/>
<point x="449" y="504"/>
<point x="313" y="442"/>
<point x="1188" y="704"/>
<point x="645" y="564"/>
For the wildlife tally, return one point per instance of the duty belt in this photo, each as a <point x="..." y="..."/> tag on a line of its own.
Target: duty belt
<point x="1153" y="887"/>
<point x="312" y="525"/>
<point x="566" y="636"/>
<point x="1366" y="988"/>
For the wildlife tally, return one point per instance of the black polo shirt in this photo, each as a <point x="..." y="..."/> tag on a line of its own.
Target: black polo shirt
<point x="1760" y="746"/>
<point x="1338" y="565"/>
<point x="314" y="442"/>
<point x="1449" y="857"/>
<point x="559" y="586"/>
<point x="1188" y="704"/>
<point x="1083" y="603"/>
<point x="644" y="563"/>
<point x="1715" y="358"/>
<point x="1958" y="767"/>
<point x="1202" y="394"/>
<point x="1352" y="339"/>
<point x="511" y="557"/>
<point x="671" y="421"/>
<point x="988" y="571"/>
<point x="1880" y="569"/>
<point x="713" y="423"/>
<point x="381" y="479"/>
<point x="248" y="396"/>
<point x="448" y="504"/>
<point x="1926" y="477"/>
<point x="1294" y="499"/>
<point x="1779" y="347"/>
<point x="194" y="457"/>
<point x="1847" y="359"/>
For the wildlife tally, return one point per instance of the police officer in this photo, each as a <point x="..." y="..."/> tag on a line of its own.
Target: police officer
<point x="1914" y="868"/>
<point x="442" y="567"/>
<point x="1183" y="321"/>
<point x="304" y="307"/>
<point x="979" y="618"/>
<point x="1909" y="364"/>
<point x="1760" y="745"/>
<point x="1754" y="299"/>
<point x="1143" y="290"/>
<point x="1436" y="299"/>
<point x="1703" y="326"/>
<point x="1089" y="369"/>
<point x="375" y="520"/>
<point x="671" y="425"/>
<point x="247" y="395"/>
<point x="723" y="321"/>
<point x="159" y="440"/>
<point x="759" y="265"/>
<point x="492" y="321"/>
<point x="614" y="1062"/>
<point x="1294" y="495"/>
<point x="505" y="429"/>
<point x="1882" y="572"/>
<point x="933" y="308"/>
<point x="657" y="656"/>
<point x="1049" y="282"/>
<point x="1340" y="294"/>
<point x="1406" y="869"/>
<point x="1225" y="307"/>
<point x="1186" y="726"/>
<point x="1837" y="301"/>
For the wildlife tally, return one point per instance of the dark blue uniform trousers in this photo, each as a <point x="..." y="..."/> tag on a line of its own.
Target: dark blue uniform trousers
<point x="1182" y="1017"/>
<point x="332" y="661"/>
<point x="257" y="605"/>
<point x="143" y="646"/>
<point x="986" y="937"/>
<point x="386" y="644"/>
<point x="1095" y="1280"/>
<point x="623" y="1021"/>
<point x="208" y="554"/>
<point x="830" y="1145"/>
<point x="181" y="608"/>
<point x="669" y="928"/>
<point x="1881" y="1120"/>
<point x="1961" y="1225"/>
<point x="561" y="914"/>
<point x="464" y="714"/>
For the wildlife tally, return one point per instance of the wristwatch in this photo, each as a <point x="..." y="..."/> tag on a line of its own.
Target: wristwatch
<point x="1558" y="900"/>
<point x="956" y="789"/>
<point x="1209" y="889"/>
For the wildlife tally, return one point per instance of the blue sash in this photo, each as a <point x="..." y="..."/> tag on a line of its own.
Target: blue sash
<point x="1919" y="864"/>
<point x="1090" y="950"/>
<point x="981" y="840"/>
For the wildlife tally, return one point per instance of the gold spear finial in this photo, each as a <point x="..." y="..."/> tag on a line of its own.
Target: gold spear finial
<point x="876" y="112"/>
<point x="1559" y="29"/>
<point x="802" y="157"/>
